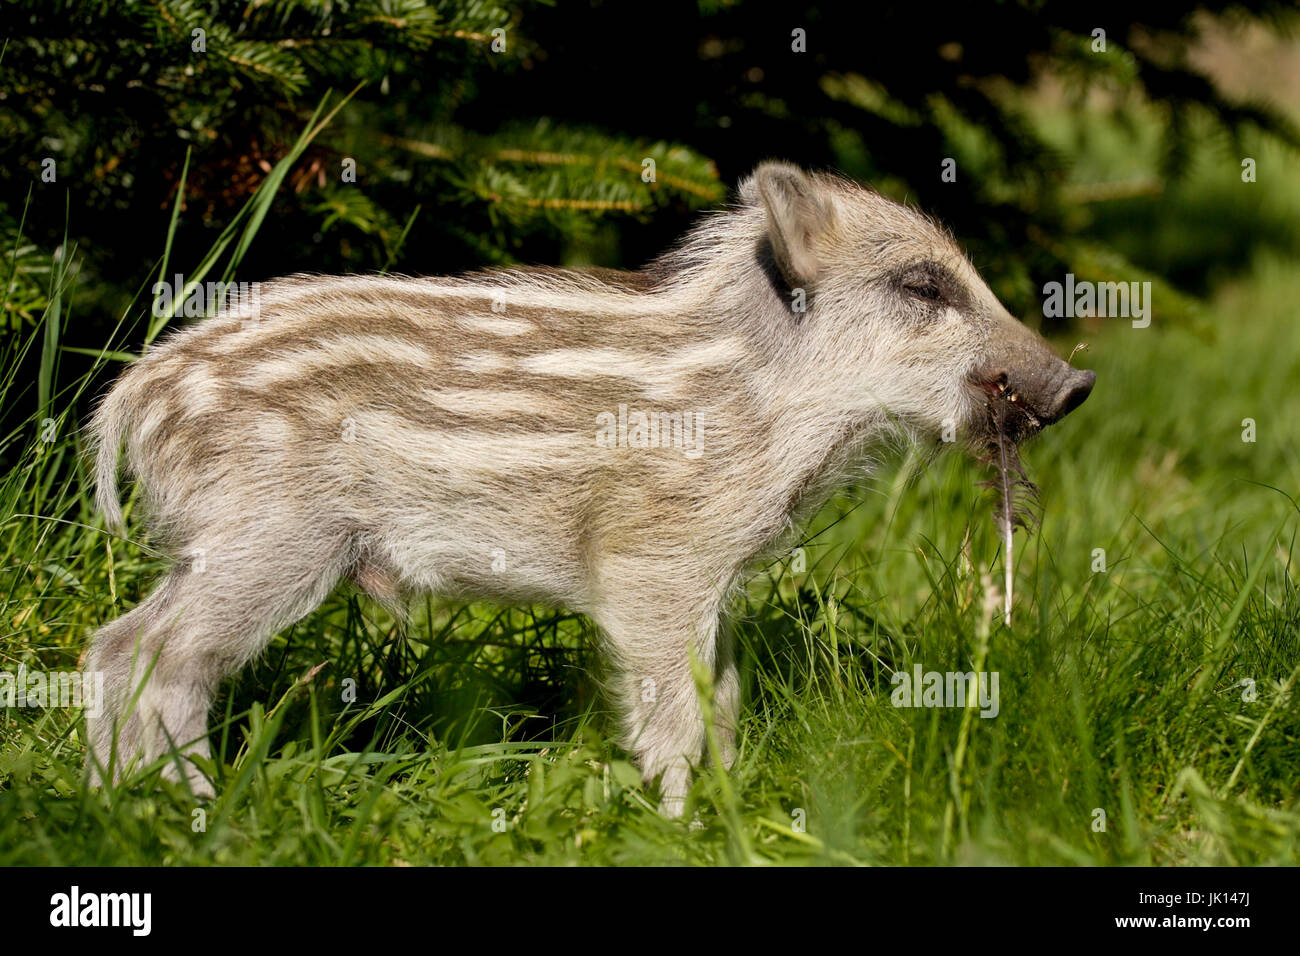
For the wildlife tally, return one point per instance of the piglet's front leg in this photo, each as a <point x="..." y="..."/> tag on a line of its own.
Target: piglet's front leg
<point x="651" y="637"/>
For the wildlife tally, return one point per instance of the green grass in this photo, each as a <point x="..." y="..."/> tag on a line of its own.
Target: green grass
<point x="1119" y="690"/>
<point x="474" y="735"/>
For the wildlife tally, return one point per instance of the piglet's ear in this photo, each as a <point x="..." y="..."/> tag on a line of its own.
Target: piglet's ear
<point x="799" y="216"/>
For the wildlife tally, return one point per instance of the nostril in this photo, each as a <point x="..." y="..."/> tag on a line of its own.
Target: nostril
<point x="1076" y="390"/>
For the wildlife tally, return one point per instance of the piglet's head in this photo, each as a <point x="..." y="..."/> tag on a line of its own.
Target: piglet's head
<point x="899" y="318"/>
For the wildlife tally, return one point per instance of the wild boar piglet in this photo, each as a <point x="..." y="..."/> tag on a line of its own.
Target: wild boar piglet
<point x="623" y="444"/>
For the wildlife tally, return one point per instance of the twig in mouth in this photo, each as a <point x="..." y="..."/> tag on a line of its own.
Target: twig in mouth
<point x="1016" y="493"/>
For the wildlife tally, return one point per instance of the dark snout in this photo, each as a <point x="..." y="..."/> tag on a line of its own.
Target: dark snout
<point x="1044" y="391"/>
<point x="1027" y="376"/>
<point x="1076" y="387"/>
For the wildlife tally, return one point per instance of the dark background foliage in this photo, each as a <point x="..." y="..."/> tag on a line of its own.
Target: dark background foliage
<point x="468" y="157"/>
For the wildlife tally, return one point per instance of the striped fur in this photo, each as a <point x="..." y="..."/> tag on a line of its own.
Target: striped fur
<point x="439" y="435"/>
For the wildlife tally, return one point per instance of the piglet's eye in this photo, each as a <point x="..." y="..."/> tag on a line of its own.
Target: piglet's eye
<point x="924" y="290"/>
